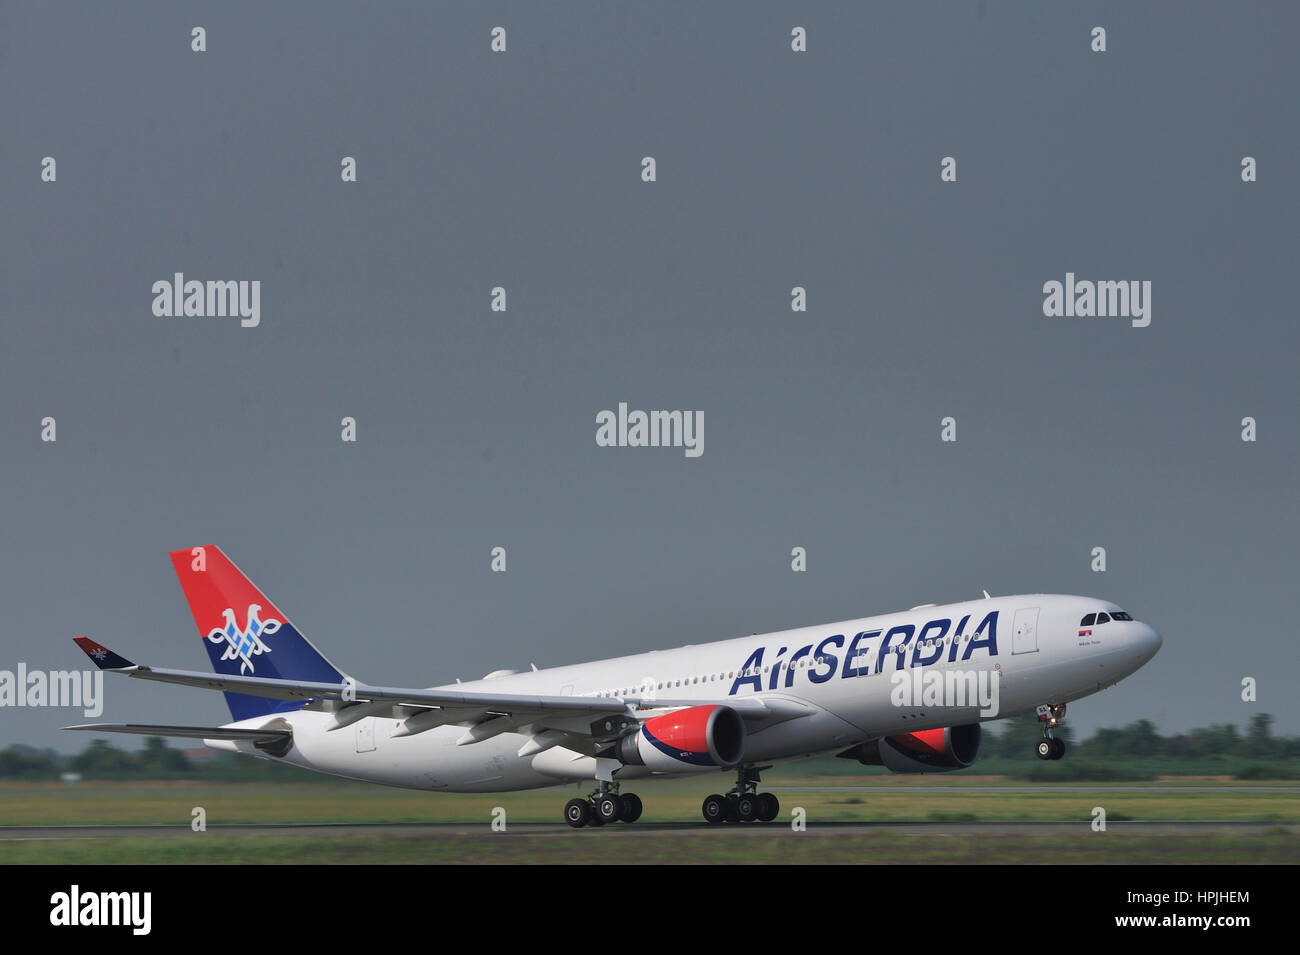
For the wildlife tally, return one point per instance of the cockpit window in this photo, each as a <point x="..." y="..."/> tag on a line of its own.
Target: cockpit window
<point x="1089" y="620"/>
<point x="1103" y="618"/>
<point x="1121" y="615"/>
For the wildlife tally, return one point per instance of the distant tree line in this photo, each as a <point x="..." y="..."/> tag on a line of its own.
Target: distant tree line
<point x="1140" y="739"/>
<point x="155" y="760"/>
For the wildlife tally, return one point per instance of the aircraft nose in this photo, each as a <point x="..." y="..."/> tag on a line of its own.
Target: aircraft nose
<point x="1149" y="640"/>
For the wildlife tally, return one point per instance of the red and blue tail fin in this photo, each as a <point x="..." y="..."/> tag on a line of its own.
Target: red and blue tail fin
<point x="244" y="633"/>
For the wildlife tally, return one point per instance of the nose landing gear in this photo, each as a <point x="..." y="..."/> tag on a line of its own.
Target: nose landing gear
<point x="1051" y="715"/>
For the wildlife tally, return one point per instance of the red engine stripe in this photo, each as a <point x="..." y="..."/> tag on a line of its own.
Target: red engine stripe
<point x="926" y="741"/>
<point x="686" y="729"/>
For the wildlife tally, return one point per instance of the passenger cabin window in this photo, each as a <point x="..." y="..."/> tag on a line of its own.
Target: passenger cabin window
<point x="1089" y="620"/>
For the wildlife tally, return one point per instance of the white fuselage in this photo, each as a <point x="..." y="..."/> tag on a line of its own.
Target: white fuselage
<point x="1029" y="650"/>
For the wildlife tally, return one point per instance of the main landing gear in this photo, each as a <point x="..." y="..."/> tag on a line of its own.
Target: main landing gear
<point x="1050" y="715"/>
<point x="744" y="803"/>
<point x="604" y="805"/>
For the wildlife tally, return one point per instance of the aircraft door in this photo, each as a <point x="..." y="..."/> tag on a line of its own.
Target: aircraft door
<point x="1026" y="631"/>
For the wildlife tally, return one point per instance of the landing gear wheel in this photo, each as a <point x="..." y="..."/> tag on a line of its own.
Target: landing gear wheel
<point x="594" y="821"/>
<point x="1051" y="716"/>
<point x="747" y="808"/>
<point x="609" y="807"/>
<point x="577" y="813"/>
<point x="631" y="807"/>
<point x="745" y="803"/>
<point x="714" y="809"/>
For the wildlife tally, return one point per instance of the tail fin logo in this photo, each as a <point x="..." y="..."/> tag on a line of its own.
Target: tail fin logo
<point x="244" y="644"/>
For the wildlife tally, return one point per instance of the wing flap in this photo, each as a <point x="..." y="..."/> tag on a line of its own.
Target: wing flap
<point x="187" y="732"/>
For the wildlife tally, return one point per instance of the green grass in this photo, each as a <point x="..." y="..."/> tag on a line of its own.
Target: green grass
<point x="874" y="799"/>
<point x="627" y="846"/>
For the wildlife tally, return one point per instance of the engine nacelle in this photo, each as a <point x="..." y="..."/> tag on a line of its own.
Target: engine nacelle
<point x="690" y="740"/>
<point x="929" y="751"/>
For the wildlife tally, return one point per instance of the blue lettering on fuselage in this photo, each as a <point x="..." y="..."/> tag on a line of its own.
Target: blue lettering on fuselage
<point x="907" y="631"/>
<point x="751" y="672"/>
<point x="956" y="639"/>
<point x="794" y="663"/>
<point x="990" y="639"/>
<point x="858" y="648"/>
<point x="776" y="670"/>
<point x="826" y="659"/>
<point x="895" y="643"/>
<point x="923" y="654"/>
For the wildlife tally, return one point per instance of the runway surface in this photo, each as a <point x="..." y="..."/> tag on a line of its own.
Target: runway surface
<point x="436" y="829"/>
<point x="1031" y="790"/>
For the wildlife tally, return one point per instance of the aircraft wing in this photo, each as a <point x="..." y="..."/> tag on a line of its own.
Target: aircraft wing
<point x="486" y="714"/>
<point x="112" y="662"/>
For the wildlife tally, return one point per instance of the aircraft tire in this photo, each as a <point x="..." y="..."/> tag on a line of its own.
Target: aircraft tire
<point x="714" y="809"/>
<point x="631" y="807"/>
<point x="577" y="813"/>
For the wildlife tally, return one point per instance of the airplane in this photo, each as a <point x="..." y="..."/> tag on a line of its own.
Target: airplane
<point x="906" y="690"/>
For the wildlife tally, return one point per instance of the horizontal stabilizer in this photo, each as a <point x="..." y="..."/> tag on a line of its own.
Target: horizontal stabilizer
<point x="189" y="732"/>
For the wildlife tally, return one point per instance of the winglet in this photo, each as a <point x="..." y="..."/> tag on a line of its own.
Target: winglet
<point x="104" y="658"/>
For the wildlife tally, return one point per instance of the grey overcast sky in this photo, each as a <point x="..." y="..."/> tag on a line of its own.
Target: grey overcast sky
<point x="476" y="429"/>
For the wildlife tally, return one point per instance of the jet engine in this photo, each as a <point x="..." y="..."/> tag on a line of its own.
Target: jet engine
<point x="693" y="739"/>
<point x="928" y="751"/>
